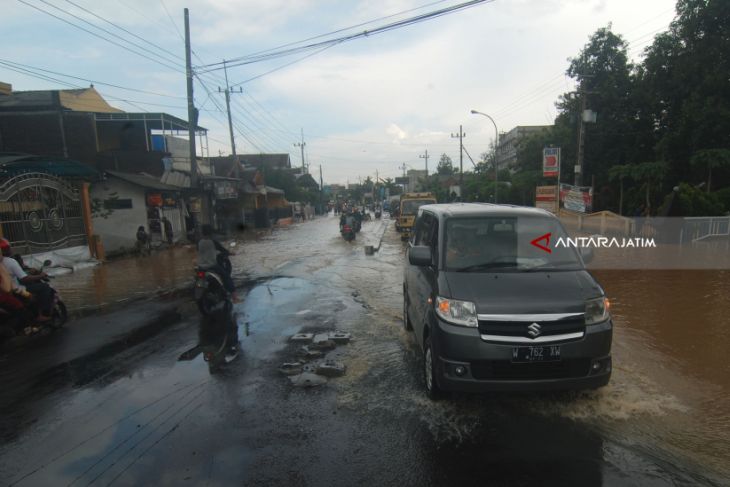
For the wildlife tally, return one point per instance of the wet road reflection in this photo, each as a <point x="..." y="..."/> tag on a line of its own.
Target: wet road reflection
<point x="146" y="417"/>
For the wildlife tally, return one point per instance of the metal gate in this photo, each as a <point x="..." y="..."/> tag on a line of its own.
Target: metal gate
<point x="40" y="212"/>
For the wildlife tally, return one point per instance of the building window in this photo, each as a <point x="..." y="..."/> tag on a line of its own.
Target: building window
<point x="118" y="204"/>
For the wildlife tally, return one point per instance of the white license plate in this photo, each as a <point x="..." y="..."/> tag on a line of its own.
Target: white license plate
<point x="549" y="353"/>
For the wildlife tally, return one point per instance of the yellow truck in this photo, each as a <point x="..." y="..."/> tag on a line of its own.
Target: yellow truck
<point x="409" y="205"/>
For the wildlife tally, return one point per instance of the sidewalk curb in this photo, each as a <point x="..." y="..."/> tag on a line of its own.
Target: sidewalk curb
<point x="369" y="249"/>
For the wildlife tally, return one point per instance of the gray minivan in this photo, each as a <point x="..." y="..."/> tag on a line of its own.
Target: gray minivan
<point x="496" y="306"/>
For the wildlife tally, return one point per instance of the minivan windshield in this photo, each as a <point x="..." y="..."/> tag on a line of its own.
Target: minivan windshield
<point x="505" y="244"/>
<point x="410" y="207"/>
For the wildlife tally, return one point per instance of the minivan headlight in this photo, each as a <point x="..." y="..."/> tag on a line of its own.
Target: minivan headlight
<point x="457" y="312"/>
<point x="597" y="310"/>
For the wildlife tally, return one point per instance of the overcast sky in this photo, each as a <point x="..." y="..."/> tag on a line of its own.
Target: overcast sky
<point x="366" y="105"/>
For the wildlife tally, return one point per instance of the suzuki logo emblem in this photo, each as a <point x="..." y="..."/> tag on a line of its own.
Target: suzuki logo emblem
<point x="534" y="330"/>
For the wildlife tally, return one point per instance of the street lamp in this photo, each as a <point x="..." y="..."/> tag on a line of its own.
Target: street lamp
<point x="496" y="141"/>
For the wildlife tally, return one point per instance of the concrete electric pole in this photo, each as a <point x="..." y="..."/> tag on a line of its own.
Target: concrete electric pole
<point x="192" y="111"/>
<point x="460" y="136"/>
<point x="301" y="145"/>
<point x="227" y="92"/>
<point x="425" y="156"/>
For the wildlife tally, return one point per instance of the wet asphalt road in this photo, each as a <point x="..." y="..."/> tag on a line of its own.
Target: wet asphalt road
<point x="143" y="416"/>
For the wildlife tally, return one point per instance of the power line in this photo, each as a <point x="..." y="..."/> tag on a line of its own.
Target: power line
<point x="157" y="61"/>
<point x="347" y="28"/>
<point x="174" y="55"/>
<point x="250" y="59"/>
<point x="89" y="80"/>
<point x="284" y="65"/>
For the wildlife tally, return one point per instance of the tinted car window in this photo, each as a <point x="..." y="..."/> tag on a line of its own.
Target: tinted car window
<point x="504" y="244"/>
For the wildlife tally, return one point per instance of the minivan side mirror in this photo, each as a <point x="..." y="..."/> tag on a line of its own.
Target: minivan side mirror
<point x="587" y="254"/>
<point x="420" y="255"/>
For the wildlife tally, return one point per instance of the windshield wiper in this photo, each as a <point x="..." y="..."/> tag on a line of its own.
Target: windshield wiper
<point x="487" y="265"/>
<point x="553" y="266"/>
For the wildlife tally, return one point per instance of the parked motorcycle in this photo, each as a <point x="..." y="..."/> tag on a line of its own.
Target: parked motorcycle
<point x="347" y="232"/>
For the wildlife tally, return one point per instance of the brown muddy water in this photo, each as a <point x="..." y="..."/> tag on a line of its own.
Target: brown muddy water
<point x="122" y="280"/>
<point x="671" y="336"/>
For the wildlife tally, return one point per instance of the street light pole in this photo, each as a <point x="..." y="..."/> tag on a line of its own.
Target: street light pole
<point x="496" y="141"/>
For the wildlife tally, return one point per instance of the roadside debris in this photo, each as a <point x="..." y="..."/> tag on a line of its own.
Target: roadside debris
<point x="303" y="374"/>
<point x="309" y="354"/>
<point x="302" y="337"/>
<point x="307" y="379"/>
<point x="291" y="368"/>
<point x="339" y="337"/>
<point x="330" y="368"/>
<point x="322" y="342"/>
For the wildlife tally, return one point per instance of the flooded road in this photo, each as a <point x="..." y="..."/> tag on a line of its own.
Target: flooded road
<point x="146" y="417"/>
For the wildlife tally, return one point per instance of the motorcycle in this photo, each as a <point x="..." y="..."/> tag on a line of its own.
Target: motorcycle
<point x="217" y="341"/>
<point x="13" y="324"/>
<point x="210" y="294"/>
<point x="347" y="233"/>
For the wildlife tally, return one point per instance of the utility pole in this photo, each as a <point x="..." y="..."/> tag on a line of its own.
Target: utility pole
<point x="403" y="166"/>
<point x="461" y="136"/>
<point x="425" y="156"/>
<point x="227" y="92"/>
<point x="192" y="111"/>
<point x="581" y="140"/>
<point x="301" y="145"/>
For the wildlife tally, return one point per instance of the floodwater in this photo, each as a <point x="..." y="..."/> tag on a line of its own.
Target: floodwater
<point x="671" y="384"/>
<point x="664" y="419"/>
<point x="126" y="279"/>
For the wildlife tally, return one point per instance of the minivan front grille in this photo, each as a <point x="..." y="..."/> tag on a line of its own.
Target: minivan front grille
<point x="506" y="370"/>
<point x="520" y="328"/>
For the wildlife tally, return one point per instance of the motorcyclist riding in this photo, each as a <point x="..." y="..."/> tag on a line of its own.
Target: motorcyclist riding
<point x="209" y="251"/>
<point x="31" y="282"/>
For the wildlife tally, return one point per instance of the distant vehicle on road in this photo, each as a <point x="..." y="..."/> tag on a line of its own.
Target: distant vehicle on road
<point x="494" y="307"/>
<point x="409" y="204"/>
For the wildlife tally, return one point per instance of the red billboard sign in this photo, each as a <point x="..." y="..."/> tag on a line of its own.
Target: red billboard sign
<point x="551" y="162"/>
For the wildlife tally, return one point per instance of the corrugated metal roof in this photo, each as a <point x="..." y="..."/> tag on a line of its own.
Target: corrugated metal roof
<point x="143" y="181"/>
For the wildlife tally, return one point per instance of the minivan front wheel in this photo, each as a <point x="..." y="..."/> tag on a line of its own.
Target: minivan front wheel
<point x="429" y="371"/>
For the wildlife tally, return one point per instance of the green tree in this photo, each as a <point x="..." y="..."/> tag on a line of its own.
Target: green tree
<point x="711" y="159"/>
<point x="651" y="175"/>
<point x="445" y="166"/>
<point x="605" y="83"/>
<point x="685" y="81"/>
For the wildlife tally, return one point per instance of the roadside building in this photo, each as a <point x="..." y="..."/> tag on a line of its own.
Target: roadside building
<point x="79" y="124"/>
<point x="509" y="144"/>
<point x="122" y="202"/>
